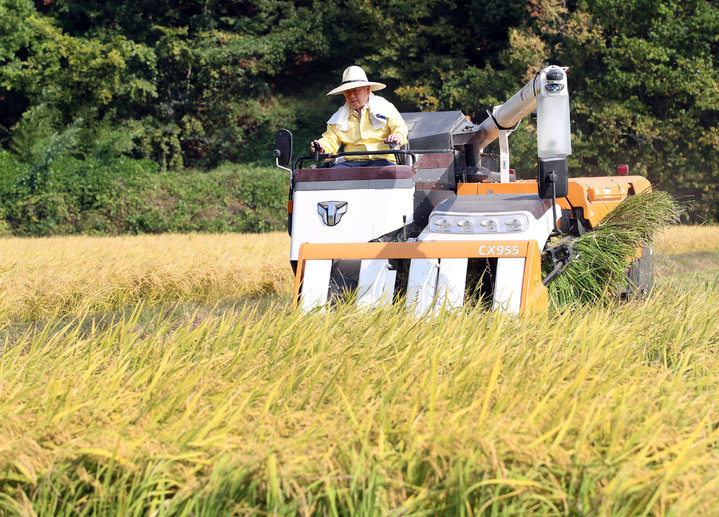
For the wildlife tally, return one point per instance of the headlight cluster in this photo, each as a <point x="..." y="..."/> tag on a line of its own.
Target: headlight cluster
<point x="478" y="223"/>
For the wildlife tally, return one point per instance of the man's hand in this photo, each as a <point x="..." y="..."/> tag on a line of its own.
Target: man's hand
<point x="315" y="145"/>
<point x="394" y="138"/>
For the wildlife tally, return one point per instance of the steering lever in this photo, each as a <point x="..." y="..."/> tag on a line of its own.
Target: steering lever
<point x="392" y="145"/>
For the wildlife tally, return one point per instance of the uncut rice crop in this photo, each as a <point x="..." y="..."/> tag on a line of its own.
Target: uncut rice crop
<point x="610" y="410"/>
<point x="682" y="239"/>
<point x="689" y="255"/>
<point x="41" y="277"/>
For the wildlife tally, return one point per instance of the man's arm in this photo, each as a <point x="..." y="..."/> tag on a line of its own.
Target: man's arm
<point x="330" y="141"/>
<point x="398" y="128"/>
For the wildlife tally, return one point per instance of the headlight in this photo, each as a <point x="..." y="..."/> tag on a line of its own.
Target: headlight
<point x="465" y="225"/>
<point x="478" y="223"/>
<point x="442" y="224"/>
<point x="489" y="225"/>
<point x="516" y="224"/>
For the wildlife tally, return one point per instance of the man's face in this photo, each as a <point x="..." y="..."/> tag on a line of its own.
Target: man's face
<point x="357" y="97"/>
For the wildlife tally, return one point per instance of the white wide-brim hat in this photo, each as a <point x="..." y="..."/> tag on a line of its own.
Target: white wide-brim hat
<point x="354" y="77"/>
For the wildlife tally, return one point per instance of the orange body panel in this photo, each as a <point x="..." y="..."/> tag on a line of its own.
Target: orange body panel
<point x="534" y="294"/>
<point x="595" y="196"/>
<point x="515" y="187"/>
<point x="405" y="250"/>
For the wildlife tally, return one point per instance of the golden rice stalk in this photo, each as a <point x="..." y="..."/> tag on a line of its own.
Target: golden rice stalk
<point x="40" y="277"/>
<point x="610" y="410"/>
<point x="600" y="271"/>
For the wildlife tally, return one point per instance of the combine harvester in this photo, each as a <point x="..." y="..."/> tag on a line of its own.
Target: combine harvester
<point x="449" y="225"/>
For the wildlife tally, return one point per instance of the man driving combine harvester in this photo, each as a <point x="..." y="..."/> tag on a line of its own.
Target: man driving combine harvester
<point x="483" y="237"/>
<point x="365" y="122"/>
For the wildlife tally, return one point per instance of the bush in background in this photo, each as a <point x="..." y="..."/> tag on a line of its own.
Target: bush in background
<point x="209" y="82"/>
<point x="129" y="196"/>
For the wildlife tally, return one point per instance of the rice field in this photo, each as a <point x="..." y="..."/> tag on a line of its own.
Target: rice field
<point x="167" y="375"/>
<point x="40" y="278"/>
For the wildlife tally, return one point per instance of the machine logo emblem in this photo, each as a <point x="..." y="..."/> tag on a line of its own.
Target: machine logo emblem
<point x="331" y="211"/>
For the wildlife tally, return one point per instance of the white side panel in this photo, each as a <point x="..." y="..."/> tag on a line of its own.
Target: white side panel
<point x="508" y="285"/>
<point x="315" y="284"/>
<point x="451" y="282"/>
<point x="369" y="214"/>
<point x="376" y="283"/>
<point x="307" y="224"/>
<point x="389" y="207"/>
<point x="422" y="284"/>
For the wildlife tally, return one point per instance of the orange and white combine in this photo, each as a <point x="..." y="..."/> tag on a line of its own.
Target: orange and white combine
<point x="449" y="225"/>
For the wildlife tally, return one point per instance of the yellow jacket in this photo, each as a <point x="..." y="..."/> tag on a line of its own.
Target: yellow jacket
<point x="379" y="119"/>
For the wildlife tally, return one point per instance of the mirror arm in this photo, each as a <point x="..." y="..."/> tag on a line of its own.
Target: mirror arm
<point x="277" y="153"/>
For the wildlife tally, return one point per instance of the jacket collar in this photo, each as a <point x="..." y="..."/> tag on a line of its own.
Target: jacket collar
<point x="375" y="106"/>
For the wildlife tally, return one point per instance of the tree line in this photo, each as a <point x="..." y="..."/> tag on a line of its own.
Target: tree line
<point x="198" y="83"/>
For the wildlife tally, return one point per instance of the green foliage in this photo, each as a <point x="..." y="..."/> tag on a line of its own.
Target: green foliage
<point x="72" y="74"/>
<point x="230" y="198"/>
<point x="643" y="80"/>
<point x="208" y="82"/>
<point x="643" y="85"/>
<point x="122" y="195"/>
<point x="11" y="169"/>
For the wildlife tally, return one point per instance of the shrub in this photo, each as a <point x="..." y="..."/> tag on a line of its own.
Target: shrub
<point x="124" y="195"/>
